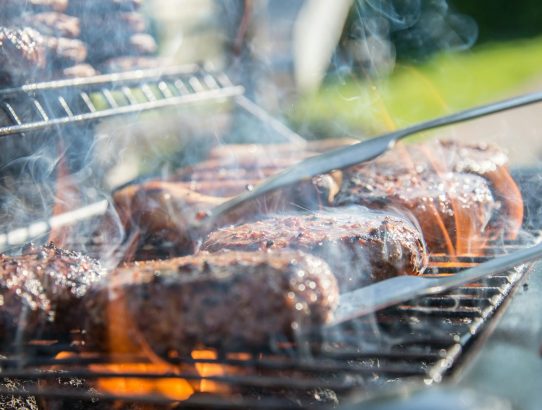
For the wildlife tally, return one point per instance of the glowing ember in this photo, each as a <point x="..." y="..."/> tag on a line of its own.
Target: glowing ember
<point x="207" y="370"/>
<point x="172" y="388"/>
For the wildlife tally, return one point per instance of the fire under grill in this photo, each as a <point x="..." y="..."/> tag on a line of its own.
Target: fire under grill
<point x="417" y="343"/>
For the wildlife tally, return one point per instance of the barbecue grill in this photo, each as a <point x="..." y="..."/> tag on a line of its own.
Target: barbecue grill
<point x="418" y="343"/>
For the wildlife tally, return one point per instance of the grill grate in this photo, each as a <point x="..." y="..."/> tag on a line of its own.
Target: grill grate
<point x="42" y="106"/>
<point x="418" y="342"/>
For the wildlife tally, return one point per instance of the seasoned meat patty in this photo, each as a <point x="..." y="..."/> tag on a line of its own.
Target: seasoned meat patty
<point x="51" y="24"/>
<point x="104" y="48"/>
<point x="359" y="245"/>
<point x="127" y="63"/>
<point x="40" y="291"/>
<point x="78" y="7"/>
<point x="64" y="52"/>
<point x="22" y="54"/>
<point x="462" y="195"/>
<point x="453" y="210"/>
<point x="225" y="300"/>
<point x="26" y="55"/>
<point x="12" y="8"/>
<point x="161" y="212"/>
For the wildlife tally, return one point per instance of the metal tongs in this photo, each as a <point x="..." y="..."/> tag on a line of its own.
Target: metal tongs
<point x="355" y="154"/>
<point x="402" y="288"/>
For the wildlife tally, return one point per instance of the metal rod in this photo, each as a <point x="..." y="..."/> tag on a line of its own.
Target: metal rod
<point x="21" y="236"/>
<point x="266" y="118"/>
<point x="100" y="80"/>
<point x="355" y="154"/>
<point x="131" y="109"/>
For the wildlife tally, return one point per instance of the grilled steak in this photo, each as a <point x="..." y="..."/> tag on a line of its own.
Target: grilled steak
<point x="11" y="8"/>
<point x="40" y="291"/>
<point x="77" y="71"/>
<point x="360" y="245"/>
<point x="437" y="202"/>
<point x="22" y="54"/>
<point x="127" y="63"/>
<point x="161" y="212"/>
<point x="216" y="300"/>
<point x="78" y="7"/>
<point x="51" y="24"/>
<point x="65" y="51"/>
<point x="26" y="55"/>
<point x="458" y="193"/>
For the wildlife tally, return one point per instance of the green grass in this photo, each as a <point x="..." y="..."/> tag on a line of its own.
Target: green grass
<point x="444" y="84"/>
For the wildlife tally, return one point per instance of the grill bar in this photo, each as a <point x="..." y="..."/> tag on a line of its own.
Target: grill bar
<point x="418" y="342"/>
<point x="97" y="98"/>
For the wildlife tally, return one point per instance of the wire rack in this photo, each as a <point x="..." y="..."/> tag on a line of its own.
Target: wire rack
<point x="65" y="105"/>
<point x="36" y="107"/>
<point x="417" y="343"/>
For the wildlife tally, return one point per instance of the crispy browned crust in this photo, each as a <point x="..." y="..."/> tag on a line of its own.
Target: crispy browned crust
<point x="51" y="24"/>
<point x="436" y="202"/>
<point x="78" y="7"/>
<point x="23" y="54"/>
<point x="226" y="300"/>
<point x="13" y="8"/>
<point x="40" y="291"/>
<point x="359" y="245"/>
<point x="461" y="195"/>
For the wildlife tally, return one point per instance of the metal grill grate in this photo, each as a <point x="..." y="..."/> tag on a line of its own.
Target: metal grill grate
<point x="36" y="107"/>
<point x="419" y="342"/>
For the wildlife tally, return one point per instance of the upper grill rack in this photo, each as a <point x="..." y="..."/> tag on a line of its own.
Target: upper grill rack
<point x="415" y="343"/>
<point x="42" y="106"/>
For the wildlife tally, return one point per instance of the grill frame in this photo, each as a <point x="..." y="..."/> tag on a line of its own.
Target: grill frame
<point x="29" y="366"/>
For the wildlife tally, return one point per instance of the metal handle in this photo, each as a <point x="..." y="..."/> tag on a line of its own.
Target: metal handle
<point x="354" y="154"/>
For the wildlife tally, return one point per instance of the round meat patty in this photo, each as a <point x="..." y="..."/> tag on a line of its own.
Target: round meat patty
<point x="360" y="245"/>
<point x="226" y="300"/>
<point x="40" y="291"/>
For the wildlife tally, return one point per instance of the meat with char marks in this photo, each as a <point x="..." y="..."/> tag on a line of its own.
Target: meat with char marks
<point x="226" y="300"/>
<point x="359" y="245"/>
<point x="40" y="292"/>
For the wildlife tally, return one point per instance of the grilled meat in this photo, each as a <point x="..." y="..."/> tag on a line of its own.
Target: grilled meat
<point x="79" y="7"/>
<point x="77" y="71"/>
<point x="217" y="300"/>
<point x="454" y="191"/>
<point x="115" y="26"/>
<point x="22" y="54"/>
<point x="104" y="48"/>
<point x="40" y="291"/>
<point x="127" y="63"/>
<point x="26" y="55"/>
<point x="13" y="8"/>
<point x="65" y="52"/>
<point x="162" y="211"/>
<point x="17" y="401"/>
<point x="51" y="24"/>
<point x="437" y="202"/>
<point x="360" y="245"/>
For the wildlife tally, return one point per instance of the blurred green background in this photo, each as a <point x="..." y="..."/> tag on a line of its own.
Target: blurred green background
<point x="504" y="59"/>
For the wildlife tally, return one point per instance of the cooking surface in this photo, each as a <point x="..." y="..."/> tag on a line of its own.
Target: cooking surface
<point x="504" y="374"/>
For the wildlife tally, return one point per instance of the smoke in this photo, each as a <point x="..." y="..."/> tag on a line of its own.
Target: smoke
<point x="379" y="32"/>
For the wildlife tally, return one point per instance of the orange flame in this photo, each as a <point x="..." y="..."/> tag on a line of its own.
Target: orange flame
<point x="66" y="197"/>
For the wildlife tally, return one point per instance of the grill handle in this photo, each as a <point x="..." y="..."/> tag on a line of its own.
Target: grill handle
<point x="355" y="154"/>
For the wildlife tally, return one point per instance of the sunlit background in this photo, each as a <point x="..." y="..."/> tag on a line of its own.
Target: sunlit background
<point x="358" y="68"/>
